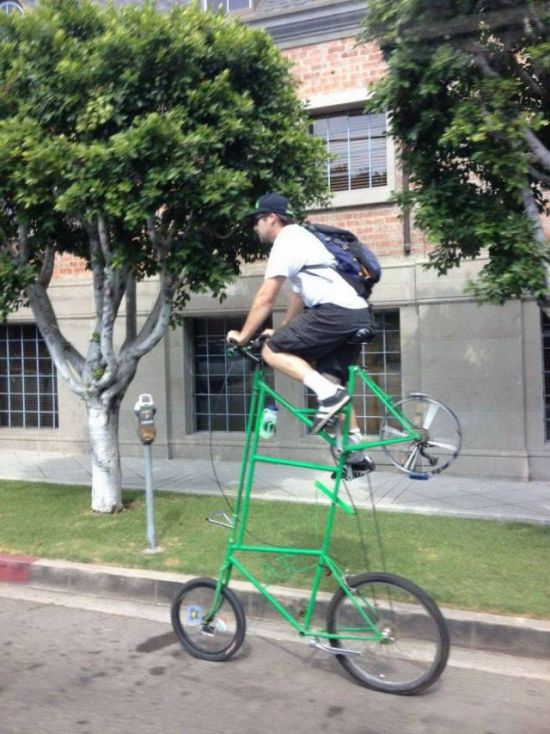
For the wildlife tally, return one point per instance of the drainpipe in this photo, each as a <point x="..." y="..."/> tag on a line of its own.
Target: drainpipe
<point x="406" y="217"/>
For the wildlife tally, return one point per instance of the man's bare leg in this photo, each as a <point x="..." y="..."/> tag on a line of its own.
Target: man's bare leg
<point x="289" y="364"/>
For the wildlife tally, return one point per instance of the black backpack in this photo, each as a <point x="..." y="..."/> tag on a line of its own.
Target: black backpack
<point x="355" y="262"/>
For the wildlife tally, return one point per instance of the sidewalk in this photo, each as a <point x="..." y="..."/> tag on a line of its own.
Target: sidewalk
<point x="448" y="495"/>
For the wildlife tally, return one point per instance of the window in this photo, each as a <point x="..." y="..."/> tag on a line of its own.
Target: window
<point x="228" y="5"/>
<point x="10" y="7"/>
<point x="546" y="371"/>
<point x="28" y="380"/>
<point x="382" y="360"/>
<point x="357" y="143"/>
<point x="222" y="386"/>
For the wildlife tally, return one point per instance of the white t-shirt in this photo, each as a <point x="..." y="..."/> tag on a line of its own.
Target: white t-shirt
<point x="294" y="248"/>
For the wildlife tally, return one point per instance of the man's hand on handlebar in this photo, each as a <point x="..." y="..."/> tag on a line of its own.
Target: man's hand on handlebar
<point x="234" y="337"/>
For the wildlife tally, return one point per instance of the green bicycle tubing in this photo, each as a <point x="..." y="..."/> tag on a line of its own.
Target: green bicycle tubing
<point x="240" y="514"/>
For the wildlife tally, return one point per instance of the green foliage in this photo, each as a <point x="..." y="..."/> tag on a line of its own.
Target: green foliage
<point x="183" y="118"/>
<point x="467" y="82"/>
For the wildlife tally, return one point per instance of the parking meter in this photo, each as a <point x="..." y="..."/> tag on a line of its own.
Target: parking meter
<point x="145" y="412"/>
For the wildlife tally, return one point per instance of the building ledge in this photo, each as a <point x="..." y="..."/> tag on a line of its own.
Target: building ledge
<point x="311" y="24"/>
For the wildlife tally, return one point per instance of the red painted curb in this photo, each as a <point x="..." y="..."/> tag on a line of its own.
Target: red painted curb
<point x="16" y="569"/>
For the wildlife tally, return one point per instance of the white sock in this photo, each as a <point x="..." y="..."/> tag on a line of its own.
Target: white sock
<point x="322" y="387"/>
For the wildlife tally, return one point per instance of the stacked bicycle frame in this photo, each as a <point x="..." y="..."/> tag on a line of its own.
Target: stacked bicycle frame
<point x="385" y="631"/>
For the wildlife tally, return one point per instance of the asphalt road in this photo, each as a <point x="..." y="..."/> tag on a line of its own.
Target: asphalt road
<point x="80" y="671"/>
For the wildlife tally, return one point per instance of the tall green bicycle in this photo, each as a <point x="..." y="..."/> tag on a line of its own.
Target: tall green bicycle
<point x="384" y="630"/>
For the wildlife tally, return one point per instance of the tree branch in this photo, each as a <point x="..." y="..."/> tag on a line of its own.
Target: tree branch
<point x="542" y="177"/>
<point x="108" y="314"/>
<point x="539" y="150"/>
<point x="532" y="212"/>
<point x="131" y="309"/>
<point x="23" y="240"/>
<point x="46" y="271"/>
<point x="68" y="361"/>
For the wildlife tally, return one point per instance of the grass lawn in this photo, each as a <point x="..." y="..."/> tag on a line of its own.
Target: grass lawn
<point x="472" y="564"/>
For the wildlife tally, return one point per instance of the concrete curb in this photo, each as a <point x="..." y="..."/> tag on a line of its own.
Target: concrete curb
<point x="472" y="630"/>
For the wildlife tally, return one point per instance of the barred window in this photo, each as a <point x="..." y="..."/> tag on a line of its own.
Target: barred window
<point x="357" y="143"/>
<point x="28" y="379"/>
<point x="382" y="360"/>
<point x="228" y="5"/>
<point x="222" y="386"/>
<point x="545" y="324"/>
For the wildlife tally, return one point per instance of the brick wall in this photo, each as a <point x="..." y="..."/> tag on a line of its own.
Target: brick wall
<point x="339" y="66"/>
<point x="336" y="66"/>
<point x="69" y="266"/>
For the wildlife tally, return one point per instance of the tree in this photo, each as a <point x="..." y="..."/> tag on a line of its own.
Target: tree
<point x="136" y="140"/>
<point x="469" y="95"/>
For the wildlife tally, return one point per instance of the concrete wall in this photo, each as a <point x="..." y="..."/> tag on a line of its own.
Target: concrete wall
<point x="484" y="362"/>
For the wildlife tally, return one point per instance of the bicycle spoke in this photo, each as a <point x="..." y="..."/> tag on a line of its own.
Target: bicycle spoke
<point x="443" y="445"/>
<point x="432" y="411"/>
<point x="394" y="431"/>
<point x="410" y="464"/>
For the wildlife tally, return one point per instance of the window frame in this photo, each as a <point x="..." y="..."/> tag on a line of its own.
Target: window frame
<point x="21" y="394"/>
<point x="351" y="101"/>
<point x="243" y="369"/>
<point x="361" y="397"/>
<point x="250" y="8"/>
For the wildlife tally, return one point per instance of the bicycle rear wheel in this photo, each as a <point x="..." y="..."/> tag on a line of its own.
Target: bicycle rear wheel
<point x="205" y="631"/>
<point x="404" y="649"/>
<point x="440" y="436"/>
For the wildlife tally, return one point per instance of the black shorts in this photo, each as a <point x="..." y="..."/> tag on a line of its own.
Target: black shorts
<point x="321" y="335"/>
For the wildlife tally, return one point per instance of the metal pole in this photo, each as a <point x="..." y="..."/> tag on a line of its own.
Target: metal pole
<point x="149" y="499"/>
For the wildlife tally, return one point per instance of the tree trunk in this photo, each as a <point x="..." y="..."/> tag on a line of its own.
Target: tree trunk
<point x="106" y="471"/>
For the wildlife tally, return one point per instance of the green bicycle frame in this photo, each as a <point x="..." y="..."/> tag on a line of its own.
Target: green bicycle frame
<point x="251" y="456"/>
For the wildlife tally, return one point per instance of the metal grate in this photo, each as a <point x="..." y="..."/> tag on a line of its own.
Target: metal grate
<point x="222" y="386"/>
<point x="28" y="379"/>
<point x="228" y="5"/>
<point x="382" y="359"/>
<point x="358" y="145"/>
<point x="545" y="328"/>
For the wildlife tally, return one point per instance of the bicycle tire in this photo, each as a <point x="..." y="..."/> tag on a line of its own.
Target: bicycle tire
<point x="217" y="639"/>
<point x="415" y="646"/>
<point x="440" y="442"/>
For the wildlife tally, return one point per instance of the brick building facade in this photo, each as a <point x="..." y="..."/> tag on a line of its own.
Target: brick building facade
<point x="490" y="364"/>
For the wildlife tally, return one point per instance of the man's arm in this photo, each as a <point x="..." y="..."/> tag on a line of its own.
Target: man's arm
<point x="262" y="306"/>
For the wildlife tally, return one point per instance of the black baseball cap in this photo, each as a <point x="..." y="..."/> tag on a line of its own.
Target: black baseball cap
<point x="272" y="204"/>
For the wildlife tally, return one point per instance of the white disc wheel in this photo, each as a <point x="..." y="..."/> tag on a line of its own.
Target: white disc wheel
<point x="439" y="442"/>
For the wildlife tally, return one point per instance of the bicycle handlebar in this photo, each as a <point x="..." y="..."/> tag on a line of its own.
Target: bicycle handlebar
<point x="252" y="350"/>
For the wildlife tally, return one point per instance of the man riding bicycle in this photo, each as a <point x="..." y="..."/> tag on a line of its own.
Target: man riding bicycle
<point x="322" y="332"/>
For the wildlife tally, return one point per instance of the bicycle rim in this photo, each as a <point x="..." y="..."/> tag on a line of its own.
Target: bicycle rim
<point x="209" y="637"/>
<point x="440" y="442"/>
<point x="413" y="641"/>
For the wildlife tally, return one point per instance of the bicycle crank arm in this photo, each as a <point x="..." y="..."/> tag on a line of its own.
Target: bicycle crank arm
<point x="318" y="645"/>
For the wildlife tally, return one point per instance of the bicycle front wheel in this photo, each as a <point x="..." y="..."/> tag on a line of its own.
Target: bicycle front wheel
<point x="394" y="636"/>
<point x="206" y="629"/>
<point x="439" y="442"/>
